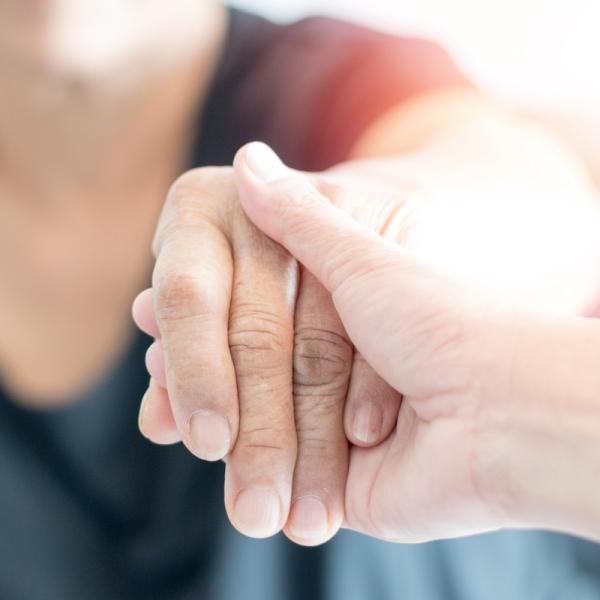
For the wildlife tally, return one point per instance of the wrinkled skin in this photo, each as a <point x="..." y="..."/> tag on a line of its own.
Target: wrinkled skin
<point x="245" y="333"/>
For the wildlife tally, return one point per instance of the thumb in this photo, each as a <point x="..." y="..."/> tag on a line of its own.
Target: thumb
<point x="364" y="273"/>
<point x="398" y="312"/>
<point x="286" y="206"/>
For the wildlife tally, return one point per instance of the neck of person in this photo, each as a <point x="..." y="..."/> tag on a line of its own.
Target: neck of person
<point x="85" y="164"/>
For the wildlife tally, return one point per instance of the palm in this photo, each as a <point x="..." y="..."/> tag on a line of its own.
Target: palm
<point x="418" y="485"/>
<point x="536" y="246"/>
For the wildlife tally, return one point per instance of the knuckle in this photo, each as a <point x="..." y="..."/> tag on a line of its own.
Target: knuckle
<point x="315" y="412"/>
<point x="199" y="180"/>
<point x="322" y="361"/>
<point x="297" y="196"/>
<point x="323" y="444"/>
<point x="266" y="439"/>
<point x="203" y="193"/>
<point x="334" y="191"/>
<point x="300" y="193"/>
<point x="185" y="386"/>
<point x="178" y="296"/>
<point x="259" y="339"/>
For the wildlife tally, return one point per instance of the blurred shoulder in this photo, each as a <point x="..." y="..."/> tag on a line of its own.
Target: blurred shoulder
<point x="309" y="88"/>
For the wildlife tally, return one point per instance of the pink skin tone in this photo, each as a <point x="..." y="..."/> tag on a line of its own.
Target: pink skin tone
<point x="447" y="338"/>
<point x="472" y="373"/>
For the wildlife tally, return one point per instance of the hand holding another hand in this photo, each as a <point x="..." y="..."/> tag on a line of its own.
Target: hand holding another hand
<point x="486" y="431"/>
<point x="246" y="336"/>
<point x="252" y="362"/>
<point x="430" y="339"/>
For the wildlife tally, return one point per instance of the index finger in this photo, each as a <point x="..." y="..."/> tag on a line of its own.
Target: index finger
<point x="192" y="288"/>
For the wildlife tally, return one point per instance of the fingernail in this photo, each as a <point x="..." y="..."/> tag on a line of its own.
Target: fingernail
<point x="210" y="435"/>
<point x="309" y="518"/>
<point x="257" y="512"/>
<point x="264" y="163"/>
<point x="368" y="422"/>
<point x="141" y="413"/>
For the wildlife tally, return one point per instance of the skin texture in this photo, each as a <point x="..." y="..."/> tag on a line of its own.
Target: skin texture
<point x="104" y="125"/>
<point x="254" y="344"/>
<point x="406" y="195"/>
<point x="464" y="364"/>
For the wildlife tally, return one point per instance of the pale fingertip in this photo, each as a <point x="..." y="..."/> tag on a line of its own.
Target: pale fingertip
<point x="367" y="423"/>
<point x="308" y="523"/>
<point x="155" y="364"/>
<point x="257" y="512"/>
<point x="210" y="435"/>
<point x="155" y="420"/>
<point x="263" y="163"/>
<point x="141" y="414"/>
<point x="142" y="312"/>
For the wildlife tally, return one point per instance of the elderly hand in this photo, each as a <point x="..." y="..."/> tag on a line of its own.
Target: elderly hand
<point x="256" y="362"/>
<point x="247" y="335"/>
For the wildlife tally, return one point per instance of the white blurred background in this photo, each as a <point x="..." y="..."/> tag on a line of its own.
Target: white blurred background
<point x="541" y="56"/>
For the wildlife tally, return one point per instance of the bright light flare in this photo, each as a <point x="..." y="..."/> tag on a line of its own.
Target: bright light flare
<point x="529" y="247"/>
<point x="91" y="38"/>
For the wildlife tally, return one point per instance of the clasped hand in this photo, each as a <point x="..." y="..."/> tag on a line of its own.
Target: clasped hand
<point x="346" y="392"/>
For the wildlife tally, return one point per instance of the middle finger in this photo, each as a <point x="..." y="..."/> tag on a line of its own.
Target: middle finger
<point x="322" y="368"/>
<point x="260" y="468"/>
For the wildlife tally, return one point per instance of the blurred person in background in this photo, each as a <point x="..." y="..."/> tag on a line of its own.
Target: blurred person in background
<point x="103" y="105"/>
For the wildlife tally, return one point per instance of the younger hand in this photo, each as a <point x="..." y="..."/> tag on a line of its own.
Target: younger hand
<point x="447" y="349"/>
